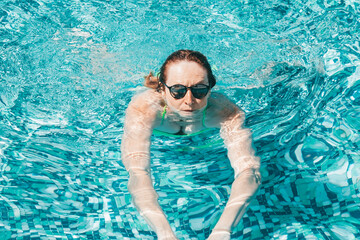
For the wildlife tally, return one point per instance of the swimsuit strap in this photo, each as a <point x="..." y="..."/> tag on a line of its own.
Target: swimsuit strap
<point x="163" y="115"/>
<point x="203" y="119"/>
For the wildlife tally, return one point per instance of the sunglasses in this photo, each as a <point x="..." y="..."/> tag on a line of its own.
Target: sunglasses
<point x="179" y="91"/>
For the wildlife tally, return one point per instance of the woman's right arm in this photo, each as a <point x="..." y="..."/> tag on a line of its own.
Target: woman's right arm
<point x="135" y="154"/>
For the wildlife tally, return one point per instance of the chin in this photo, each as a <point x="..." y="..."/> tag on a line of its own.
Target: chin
<point x="189" y="113"/>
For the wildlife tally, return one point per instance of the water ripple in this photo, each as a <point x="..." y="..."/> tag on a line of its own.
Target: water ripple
<point x="69" y="68"/>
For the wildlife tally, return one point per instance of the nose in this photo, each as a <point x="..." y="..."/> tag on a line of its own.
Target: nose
<point x="189" y="98"/>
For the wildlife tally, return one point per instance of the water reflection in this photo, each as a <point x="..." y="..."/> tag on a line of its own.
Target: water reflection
<point x="68" y="70"/>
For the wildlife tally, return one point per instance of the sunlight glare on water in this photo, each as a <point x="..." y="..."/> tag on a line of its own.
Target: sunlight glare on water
<point x="69" y="68"/>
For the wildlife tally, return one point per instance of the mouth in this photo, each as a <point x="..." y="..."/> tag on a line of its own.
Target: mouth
<point x="189" y="111"/>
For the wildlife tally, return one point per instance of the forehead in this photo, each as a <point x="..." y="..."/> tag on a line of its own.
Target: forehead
<point x="186" y="73"/>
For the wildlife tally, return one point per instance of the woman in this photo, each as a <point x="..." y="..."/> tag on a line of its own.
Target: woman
<point x="180" y="102"/>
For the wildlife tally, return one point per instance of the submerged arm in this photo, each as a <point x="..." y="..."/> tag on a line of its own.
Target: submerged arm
<point x="246" y="168"/>
<point x="135" y="151"/>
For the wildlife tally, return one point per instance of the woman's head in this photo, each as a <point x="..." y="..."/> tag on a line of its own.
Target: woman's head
<point x="185" y="80"/>
<point x="190" y="81"/>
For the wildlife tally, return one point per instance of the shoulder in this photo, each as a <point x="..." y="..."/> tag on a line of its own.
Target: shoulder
<point x="149" y="98"/>
<point x="223" y="109"/>
<point x="145" y="106"/>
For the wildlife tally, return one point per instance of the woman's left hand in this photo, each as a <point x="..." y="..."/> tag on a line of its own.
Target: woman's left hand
<point x="219" y="235"/>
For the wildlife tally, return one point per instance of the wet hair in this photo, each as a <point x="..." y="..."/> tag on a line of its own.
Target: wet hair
<point x="180" y="55"/>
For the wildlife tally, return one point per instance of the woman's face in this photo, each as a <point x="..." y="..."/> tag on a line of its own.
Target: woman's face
<point x="188" y="74"/>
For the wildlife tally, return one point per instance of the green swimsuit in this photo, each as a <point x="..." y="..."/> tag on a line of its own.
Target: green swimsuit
<point x="180" y="133"/>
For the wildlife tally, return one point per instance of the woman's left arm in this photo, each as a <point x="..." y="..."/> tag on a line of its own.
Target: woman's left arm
<point x="246" y="169"/>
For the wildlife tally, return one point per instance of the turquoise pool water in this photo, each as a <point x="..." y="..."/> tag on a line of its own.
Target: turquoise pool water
<point x="69" y="68"/>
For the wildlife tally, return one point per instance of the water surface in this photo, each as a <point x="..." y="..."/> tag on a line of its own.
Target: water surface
<point x="69" y="68"/>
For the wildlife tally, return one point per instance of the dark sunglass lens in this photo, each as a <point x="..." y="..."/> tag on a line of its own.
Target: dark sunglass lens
<point x="199" y="91"/>
<point x="178" y="91"/>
